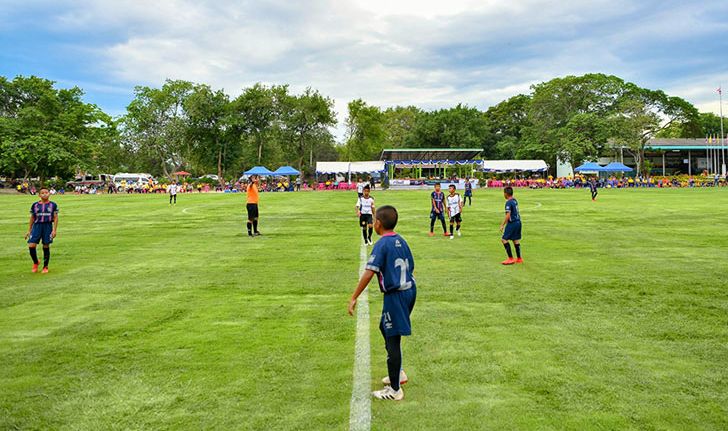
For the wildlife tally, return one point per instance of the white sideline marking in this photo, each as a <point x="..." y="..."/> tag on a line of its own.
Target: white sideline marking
<point x="360" y="412"/>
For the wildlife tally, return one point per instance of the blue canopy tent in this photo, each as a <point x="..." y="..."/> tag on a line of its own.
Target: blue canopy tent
<point x="617" y="167"/>
<point x="589" y="167"/>
<point x="259" y="170"/>
<point x="286" y="170"/>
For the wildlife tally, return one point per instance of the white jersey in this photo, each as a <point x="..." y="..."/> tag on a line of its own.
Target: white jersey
<point x="453" y="204"/>
<point x="365" y="205"/>
<point x="360" y="187"/>
<point x="172" y="189"/>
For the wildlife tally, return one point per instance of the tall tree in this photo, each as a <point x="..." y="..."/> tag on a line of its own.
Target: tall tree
<point x="45" y="131"/>
<point x="365" y="130"/>
<point x="155" y="124"/>
<point x="256" y="114"/>
<point x="305" y="120"/>
<point x="209" y="133"/>
<point x="642" y="113"/>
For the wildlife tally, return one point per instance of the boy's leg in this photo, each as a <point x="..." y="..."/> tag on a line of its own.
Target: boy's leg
<point x="432" y="224"/>
<point x="394" y="359"/>
<point x="33" y="252"/>
<point x="371" y="229"/>
<point x="452" y="225"/>
<point x="364" y="231"/>
<point x="517" y="244"/>
<point x="170" y="199"/>
<point x="444" y="228"/>
<point x="46" y="255"/>
<point x="255" y="225"/>
<point x="507" y="246"/>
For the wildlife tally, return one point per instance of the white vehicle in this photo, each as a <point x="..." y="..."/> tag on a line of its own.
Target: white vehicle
<point x="132" y="179"/>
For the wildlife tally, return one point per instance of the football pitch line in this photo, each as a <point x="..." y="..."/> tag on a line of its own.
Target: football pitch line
<point x="360" y="413"/>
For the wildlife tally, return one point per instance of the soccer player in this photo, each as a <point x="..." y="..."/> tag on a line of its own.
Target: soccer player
<point x="468" y="195"/>
<point x="360" y="187"/>
<point x="392" y="261"/>
<point x="252" y="206"/>
<point x="172" y="190"/>
<point x="593" y="188"/>
<point x="365" y="211"/>
<point x="454" y="208"/>
<point x="437" y="210"/>
<point x="43" y="226"/>
<point x="512" y="224"/>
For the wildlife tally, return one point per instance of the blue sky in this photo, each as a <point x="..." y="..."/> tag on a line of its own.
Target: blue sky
<point x="427" y="53"/>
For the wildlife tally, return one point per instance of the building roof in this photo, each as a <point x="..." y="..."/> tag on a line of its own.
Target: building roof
<point x="430" y="154"/>
<point x="682" y="144"/>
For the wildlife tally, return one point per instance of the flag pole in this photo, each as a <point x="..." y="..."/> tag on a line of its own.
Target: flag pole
<point x="722" y="136"/>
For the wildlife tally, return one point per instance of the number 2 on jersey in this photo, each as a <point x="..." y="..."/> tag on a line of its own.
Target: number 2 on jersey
<point x="403" y="265"/>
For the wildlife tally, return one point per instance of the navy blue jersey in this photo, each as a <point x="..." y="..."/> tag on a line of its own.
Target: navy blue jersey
<point x="512" y="207"/>
<point x="593" y="185"/>
<point x="438" y="199"/>
<point x="43" y="213"/>
<point x="468" y="186"/>
<point x="392" y="260"/>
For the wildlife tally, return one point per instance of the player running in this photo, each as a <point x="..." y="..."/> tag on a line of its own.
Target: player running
<point x="365" y="211"/>
<point x="455" y="209"/>
<point x="42" y="226"/>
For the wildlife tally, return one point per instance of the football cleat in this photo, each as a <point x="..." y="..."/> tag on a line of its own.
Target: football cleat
<point x="45" y="270"/>
<point x="389" y="394"/>
<point x="402" y="379"/>
<point x="459" y="234"/>
<point x="257" y="233"/>
<point x="431" y="234"/>
<point x="509" y="261"/>
<point x="452" y="236"/>
<point x="35" y="267"/>
<point x="519" y="260"/>
<point x="445" y="234"/>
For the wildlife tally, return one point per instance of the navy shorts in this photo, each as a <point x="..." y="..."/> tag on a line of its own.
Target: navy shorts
<point x="396" y="309"/>
<point x="512" y="231"/>
<point x="41" y="232"/>
<point x="434" y="215"/>
<point x="468" y="193"/>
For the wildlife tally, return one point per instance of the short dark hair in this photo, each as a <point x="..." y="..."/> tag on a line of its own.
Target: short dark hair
<point x="43" y="188"/>
<point x="452" y="186"/>
<point x="437" y="184"/>
<point x="367" y="187"/>
<point x="387" y="216"/>
<point x="508" y="190"/>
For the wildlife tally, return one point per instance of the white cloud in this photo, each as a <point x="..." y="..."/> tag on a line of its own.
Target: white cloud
<point x="427" y="53"/>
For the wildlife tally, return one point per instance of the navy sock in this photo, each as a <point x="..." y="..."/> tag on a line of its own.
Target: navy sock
<point x="432" y="225"/>
<point x="451" y="226"/>
<point x="250" y="227"/>
<point x="394" y="359"/>
<point x="33" y="254"/>
<point x="255" y="225"/>
<point x="518" y="250"/>
<point x="364" y="233"/>
<point x="370" y="233"/>
<point x="508" y="249"/>
<point x="46" y="256"/>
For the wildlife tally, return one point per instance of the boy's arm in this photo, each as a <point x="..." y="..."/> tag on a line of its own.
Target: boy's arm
<point x="505" y="220"/>
<point x="55" y="225"/>
<point x="434" y="206"/>
<point x="363" y="282"/>
<point x="30" y="226"/>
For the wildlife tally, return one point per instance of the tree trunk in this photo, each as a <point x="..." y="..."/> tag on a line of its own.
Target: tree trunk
<point x="260" y="148"/>
<point x="220" y="178"/>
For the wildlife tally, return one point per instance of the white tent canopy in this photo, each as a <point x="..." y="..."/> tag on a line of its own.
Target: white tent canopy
<point x="349" y="167"/>
<point x="513" y="165"/>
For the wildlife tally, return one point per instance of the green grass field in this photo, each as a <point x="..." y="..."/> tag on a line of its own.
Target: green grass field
<point x="159" y="317"/>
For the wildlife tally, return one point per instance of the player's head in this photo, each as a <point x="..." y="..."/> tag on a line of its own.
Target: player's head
<point x="437" y="187"/>
<point x="451" y="187"/>
<point x="44" y="193"/>
<point x="386" y="219"/>
<point x="254" y="179"/>
<point x="508" y="192"/>
<point x="366" y="190"/>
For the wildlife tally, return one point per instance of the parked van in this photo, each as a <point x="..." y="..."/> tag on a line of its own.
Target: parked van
<point x="132" y="179"/>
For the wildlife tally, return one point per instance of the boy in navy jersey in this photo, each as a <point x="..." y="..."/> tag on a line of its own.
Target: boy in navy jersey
<point x="468" y="196"/>
<point x="437" y="210"/>
<point x="512" y="224"/>
<point x="42" y="227"/>
<point x="593" y="188"/>
<point x="392" y="261"/>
